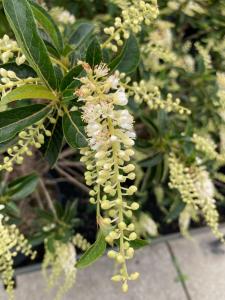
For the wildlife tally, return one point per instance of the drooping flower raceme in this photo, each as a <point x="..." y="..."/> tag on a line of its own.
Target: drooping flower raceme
<point x="196" y="190"/>
<point x="207" y="146"/>
<point x="12" y="242"/>
<point x="109" y="127"/>
<point x="134" y="14"/>
<point x="62" y="262"/>
<point x="145" y="91"/>
<point x="32" y="136"/>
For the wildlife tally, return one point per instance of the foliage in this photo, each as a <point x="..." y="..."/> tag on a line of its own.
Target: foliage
<point x="136" y="90"/>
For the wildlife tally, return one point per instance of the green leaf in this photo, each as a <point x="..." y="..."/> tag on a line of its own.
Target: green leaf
<point x="28" y="92"/>
<point x="128" y="60"/>
<point x="22" y="187"/>
<point x="48" y="24"/>
<point x="137" y="244"/>
<point x="22" y="22"/>
<point x="73" y="129"/>
<point x="53" y="146"/>
<point x="15" y="120"/>
<point x="152" y="160"/>
<point x="81" y="34"/>
<point x="175" y="210"/>
<point x="69" y="77"/>
<point x="94" y="53"/>
<point x="93" y="253"/>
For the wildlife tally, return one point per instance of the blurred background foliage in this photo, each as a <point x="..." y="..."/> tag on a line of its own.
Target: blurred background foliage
<point x="177" y="65"/>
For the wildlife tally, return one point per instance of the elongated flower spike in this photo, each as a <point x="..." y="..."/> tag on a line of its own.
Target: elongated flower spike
<point x="32" y="137"/>
<point x="109" y="127"/>
<point x="12" y="242"/>
<point x="134" y="14"/>
<point x="147" y="92"/>
<point x="196" y="190"/>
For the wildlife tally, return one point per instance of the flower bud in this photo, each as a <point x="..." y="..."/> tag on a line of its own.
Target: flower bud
<point x="132" y="236"/>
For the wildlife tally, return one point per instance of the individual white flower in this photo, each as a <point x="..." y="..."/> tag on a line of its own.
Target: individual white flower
<point x="113" y="81"/>
<point x="101" y="70"/>
<point x="120" y="98"/>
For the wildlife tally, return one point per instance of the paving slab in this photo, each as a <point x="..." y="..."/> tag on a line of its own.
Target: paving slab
<point x="202" y="261"/>
<point x="157" y="281"/>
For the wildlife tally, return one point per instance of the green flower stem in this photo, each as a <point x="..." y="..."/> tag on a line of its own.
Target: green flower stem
<point x="115" y="147"/>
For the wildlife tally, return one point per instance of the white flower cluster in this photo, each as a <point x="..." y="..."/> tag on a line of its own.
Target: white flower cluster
<point x="145" y="226"/>
<point x="9" y="49"/>
<point x="12" y="242"/>
<point x="204" y="53"/>
<point x="190" y="7"/>
<point x="145" y="91"/>
<point x="221" y="88"/>
<point x="62" y="16"/>
<point x="33" y="136"/>
<point x="134" y="14"/>
<point x="10" y="80"/>
<point x="207" y="146"/>
<point x="80" y="242"/>
<point x="62" y="262"/>
<point x="197" y="190"/>
<point x="111" y="137"/>
<point x="158" y="46"/>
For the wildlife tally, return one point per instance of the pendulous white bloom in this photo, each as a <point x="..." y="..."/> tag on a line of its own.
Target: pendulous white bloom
<point x="146" y="226"/>
<point x="62" y="262"/>
<point x="197" y="190"/>
<point x="62" y="16"/>
<point x="33" y="136"/>
<point x="207" y="146"/>
<point x="134" y="14"/>
<point x="204" y="53"/>
<point x="145" y="91"/>
<point x="109" y="127"/>
<point x="12" y="242"/>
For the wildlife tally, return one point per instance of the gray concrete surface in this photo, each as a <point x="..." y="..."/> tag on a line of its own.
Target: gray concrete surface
<point x="202" y="261"/>
<point x="157" y="281"/>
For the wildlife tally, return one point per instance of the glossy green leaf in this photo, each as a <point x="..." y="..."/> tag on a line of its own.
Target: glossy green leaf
<point x="70" y="76"/>
<point x="73" y="129"/>
<point x="31" y="91"/>
<point x="93" y="253"/>
<point x="137" y="244"/>
<point x="152" y="160"/>
<point x="15" y="120"/>
<point x="175" y="210"/>
<point x="94" y="53"/>
<point x="128" y="60"/>
<point x="22" y="187"/>
<point x="48" y="24"/>
<point x="22" y="22"/>
<point x="81" y="35"/>
<point x="53" y="146"/>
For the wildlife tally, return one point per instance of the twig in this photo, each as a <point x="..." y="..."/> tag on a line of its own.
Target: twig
<point x="72" y="172"/>
<point x="67" y="153"/>
<point x="38" y="198"/>
<point x="72" y="180"/>
<point x="48" y="198"/>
